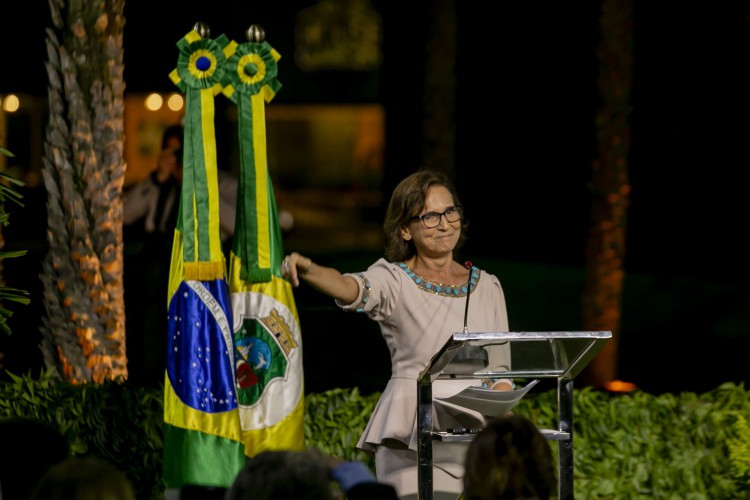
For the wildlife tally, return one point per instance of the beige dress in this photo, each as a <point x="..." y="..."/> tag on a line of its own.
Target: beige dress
<point x="416" y="318"/>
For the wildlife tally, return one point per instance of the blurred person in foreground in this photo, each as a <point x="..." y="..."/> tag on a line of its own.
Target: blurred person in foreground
<point x="84" y="479"/>
<point x="418" y="296"/>
<point x="306" y="475"/>
<point x="29" y="447"/>
<point x="510" y="460"/>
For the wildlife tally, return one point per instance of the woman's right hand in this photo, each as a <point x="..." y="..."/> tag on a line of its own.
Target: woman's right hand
<point x="294" y="266"/>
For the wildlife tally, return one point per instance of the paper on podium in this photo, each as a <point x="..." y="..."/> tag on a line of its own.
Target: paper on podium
<point x="489" y="402"/>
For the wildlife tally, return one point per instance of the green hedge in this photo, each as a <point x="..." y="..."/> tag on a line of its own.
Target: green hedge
<point x="628" y="446"/>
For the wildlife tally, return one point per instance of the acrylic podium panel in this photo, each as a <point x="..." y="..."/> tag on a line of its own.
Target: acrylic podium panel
<point x="533" y="355"/>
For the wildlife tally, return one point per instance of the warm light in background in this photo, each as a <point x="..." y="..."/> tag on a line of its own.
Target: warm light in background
<point x="11" y="103"/>
<point x="619" y="386"/>
<point x="154" y="102"/>
<point x="175" y="102"/>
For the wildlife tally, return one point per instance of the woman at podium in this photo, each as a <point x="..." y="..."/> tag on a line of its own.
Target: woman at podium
<point x="418" y="294"/>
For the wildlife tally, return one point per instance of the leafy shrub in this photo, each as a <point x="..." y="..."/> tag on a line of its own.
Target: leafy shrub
<point x="335" y="419"/>
<point x="9" y="193"/>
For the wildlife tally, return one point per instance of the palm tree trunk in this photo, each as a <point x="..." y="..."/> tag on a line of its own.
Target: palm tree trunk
<point x="610" y="185"/>
<point x="83" y="334"/>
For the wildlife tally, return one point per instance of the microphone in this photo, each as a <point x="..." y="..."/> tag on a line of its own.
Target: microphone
<point x="468" y="266"/>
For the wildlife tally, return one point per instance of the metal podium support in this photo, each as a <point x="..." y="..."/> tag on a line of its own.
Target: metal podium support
<point x="559" y="355"/>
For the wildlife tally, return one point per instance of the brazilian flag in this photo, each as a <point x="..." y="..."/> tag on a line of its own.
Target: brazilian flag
<point x="202" y="433"/>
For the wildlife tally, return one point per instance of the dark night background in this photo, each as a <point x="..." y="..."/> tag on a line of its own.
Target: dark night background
<point x="526" y="97"/>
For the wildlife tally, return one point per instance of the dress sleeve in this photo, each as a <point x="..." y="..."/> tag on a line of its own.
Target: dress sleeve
<point x="379" y="290"/>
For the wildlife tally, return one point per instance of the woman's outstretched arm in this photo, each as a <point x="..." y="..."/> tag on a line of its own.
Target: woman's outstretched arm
<point x="324" y="279"/>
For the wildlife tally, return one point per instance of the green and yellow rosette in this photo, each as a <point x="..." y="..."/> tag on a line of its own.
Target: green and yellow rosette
<point x="251" y="81"/>
<point x="200" y="73"/>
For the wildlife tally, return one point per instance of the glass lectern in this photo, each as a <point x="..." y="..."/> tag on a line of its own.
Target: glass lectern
<point x="533" y="355"/>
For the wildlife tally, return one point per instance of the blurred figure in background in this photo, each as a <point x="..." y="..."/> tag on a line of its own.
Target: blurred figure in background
<point x="151" y="206"/>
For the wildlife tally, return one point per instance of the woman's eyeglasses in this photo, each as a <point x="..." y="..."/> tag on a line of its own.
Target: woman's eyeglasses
<point x="432" y="219"/>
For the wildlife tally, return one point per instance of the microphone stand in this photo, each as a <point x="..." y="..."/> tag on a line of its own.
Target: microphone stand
<point x="468" y="266"/>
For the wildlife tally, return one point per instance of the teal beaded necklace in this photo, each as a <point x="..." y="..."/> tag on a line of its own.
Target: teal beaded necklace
<point x="440" y="288"/>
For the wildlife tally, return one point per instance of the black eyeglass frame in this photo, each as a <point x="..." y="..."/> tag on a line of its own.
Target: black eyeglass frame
<point x="439" y="215"/>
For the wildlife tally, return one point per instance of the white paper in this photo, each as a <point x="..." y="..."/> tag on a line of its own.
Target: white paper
<point x="489" y="402"/>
